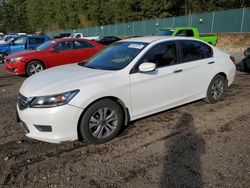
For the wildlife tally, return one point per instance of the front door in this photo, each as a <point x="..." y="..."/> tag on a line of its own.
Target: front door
<point x="155" y="91"/>
<point x="18" y="45"/>
<point x="60" y="55"/>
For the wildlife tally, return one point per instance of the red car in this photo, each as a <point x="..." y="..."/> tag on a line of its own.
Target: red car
<point x="50" y="54"/>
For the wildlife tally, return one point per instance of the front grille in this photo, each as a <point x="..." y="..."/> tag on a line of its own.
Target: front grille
<point x="23" y="102"/>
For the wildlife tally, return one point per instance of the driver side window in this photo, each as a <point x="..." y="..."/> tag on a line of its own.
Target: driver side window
<point x="162" y="55"/>
<point x="20" y="41"/>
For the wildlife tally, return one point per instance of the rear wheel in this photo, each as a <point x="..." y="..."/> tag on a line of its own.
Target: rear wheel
<point x="101" y="122"/>
<point x="215" y="92"/>
<point x="2" y="57"/>
<point x="34" y="67"/>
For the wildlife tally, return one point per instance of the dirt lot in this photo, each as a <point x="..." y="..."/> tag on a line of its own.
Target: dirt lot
<point x="196" y="145"/>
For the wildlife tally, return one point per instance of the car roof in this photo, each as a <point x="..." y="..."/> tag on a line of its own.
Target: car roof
<point x="174" y="28"/>
<point x="151" y="39"/>
<point x="148" y="39"/>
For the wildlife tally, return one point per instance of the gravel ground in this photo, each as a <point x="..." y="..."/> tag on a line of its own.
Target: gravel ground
<point x="196" y="145"/>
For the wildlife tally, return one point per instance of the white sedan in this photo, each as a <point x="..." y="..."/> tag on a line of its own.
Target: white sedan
<point x="131" y="79"/>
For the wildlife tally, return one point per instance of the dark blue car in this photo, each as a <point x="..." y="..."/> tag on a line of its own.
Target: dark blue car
<point x="20" y="44"/>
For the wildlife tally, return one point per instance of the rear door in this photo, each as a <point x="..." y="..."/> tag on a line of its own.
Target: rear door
<point x="198" y="66"/>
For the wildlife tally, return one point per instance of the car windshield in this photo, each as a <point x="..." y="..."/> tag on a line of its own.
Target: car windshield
<point x="45" y="45"/>
<point x="115" y="57"/>
<point x="166" y="32"/>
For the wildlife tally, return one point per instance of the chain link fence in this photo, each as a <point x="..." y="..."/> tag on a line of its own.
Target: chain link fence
<point x="235" y="20"/>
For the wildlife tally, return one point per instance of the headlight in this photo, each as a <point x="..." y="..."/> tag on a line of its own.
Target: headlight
<point x="53" y="100"/>
<point x="14" y="59"/>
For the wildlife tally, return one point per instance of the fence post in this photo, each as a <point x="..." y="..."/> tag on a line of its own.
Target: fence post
<point x="212" y="27"/>
<point x="144" y="27"/>
<point x="115" y="29"/>
<point x="124" y="29"/>
<point x="173" y="21"/>
<point x="242" y="19"/>
<point x="191" y="20"/>
<point x="133" y="28"/>
<point x="189" y="16"/>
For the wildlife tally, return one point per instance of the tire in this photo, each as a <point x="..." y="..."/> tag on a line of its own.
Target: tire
<point x="34" y="67"/>
<point x="95" y="127"/>
<point x="216" y="88"/>
<point x="2" y="57"/>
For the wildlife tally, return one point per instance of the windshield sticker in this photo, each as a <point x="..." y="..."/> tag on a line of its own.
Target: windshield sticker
<point x="136" y="46"/>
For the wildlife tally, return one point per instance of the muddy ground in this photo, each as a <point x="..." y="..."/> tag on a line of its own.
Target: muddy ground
<point x="196" y="145"/>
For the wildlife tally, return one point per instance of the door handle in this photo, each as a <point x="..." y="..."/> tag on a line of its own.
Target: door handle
<point x="212" y="62"/>
<point x="176" y="71"/>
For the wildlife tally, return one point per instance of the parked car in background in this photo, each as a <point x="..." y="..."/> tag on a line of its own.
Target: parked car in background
<point x="7" y="37"/>
<point x="1" y="35"/>
<point x="188" y="32"/>
<point x="80" y="35"/>
<point x="107" y="40"/>
<point x="50" y="54"/>
<point x="131" y="79"/>
<point x="244" y="65"/>
<point x="20" y="44"/>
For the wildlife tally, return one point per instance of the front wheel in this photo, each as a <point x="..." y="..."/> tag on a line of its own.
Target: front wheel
<point x="215" y="92"/>
<point x="101" y="122"/>
<point x="34" y="67"/>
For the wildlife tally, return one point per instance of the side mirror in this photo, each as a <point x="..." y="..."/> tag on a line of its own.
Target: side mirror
<point x="147" y="67"/>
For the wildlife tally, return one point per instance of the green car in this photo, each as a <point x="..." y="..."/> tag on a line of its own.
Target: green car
<point x="187" y="32"/>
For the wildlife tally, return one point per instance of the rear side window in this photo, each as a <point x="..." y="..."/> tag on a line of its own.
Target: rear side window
<point x="78" y="36"/>
<point x="185" y="33"/>
<point x="208" y="51"/>
<point x="66" y="45"/>
<point x="162" y="55"/>
<point x="192" y="50"/>
<point x="36" y="40"/>
<point x="81" y="44"/>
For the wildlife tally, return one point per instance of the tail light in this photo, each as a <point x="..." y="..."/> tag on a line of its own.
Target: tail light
<point x="233" y="60"/>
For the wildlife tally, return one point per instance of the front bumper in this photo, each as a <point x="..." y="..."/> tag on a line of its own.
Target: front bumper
<point x="63" y="121"/>
<point x="16" y="68"/>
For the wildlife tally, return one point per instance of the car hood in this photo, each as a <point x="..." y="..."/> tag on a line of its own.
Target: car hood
<point x="62" y="79"/>
<point x="23" y="53"/>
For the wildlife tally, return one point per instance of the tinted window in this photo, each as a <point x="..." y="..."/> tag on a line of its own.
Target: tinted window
<point x="36" y="40"/>
<point x="78" y="36"/>
<point x="189" y="33"/>
<point x="66" y="45"/>
<point x="192" y="50"/>
<point x="163" y="54"/>
<point x="207" y="50"/>
<point x="166" y="32"/>
<point x="82" y="44"/>
<point x="185" y="33"/>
